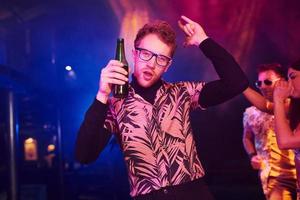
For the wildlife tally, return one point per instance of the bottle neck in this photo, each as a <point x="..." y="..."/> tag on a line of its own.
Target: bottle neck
<point x="120" y="52"/>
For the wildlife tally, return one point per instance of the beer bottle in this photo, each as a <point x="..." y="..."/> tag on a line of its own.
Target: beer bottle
<point x="121" y="91"/>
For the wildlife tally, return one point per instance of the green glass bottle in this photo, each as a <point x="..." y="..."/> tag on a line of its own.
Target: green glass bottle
<point x="121" y="91"/>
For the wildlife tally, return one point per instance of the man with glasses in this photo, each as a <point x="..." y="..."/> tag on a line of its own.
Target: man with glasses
<point x="276" y="167"/>
<point x="152" y="123"/>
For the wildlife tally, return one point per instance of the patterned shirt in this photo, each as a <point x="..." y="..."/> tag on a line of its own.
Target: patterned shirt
<point x="276" y="162"/>
<point x="157" y="139"/>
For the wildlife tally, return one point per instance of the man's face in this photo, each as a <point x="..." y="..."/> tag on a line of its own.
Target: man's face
<point x="148" y="72"/>
<point x="266" y="82"/>
<point x="294" y="78"/>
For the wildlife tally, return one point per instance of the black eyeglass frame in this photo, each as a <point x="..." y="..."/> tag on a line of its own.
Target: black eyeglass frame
<point x="153" y="54"/>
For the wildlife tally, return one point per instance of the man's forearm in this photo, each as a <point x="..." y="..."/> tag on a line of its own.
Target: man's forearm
<point x="225" y="65"/>
<point x="249" y="147"/>
<point x="258" y="100"/>
<point x="92" y="136"/>
<point x="232" y="81"/>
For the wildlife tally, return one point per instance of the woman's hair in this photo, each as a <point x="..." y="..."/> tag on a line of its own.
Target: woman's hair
<point x="294" y="110"/>
<point x="295" y="65"/>
<point x="294" y="113"/>
<point x="162" y="29"/>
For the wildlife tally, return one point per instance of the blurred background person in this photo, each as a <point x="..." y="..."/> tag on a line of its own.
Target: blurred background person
<point x="276" y="167"/>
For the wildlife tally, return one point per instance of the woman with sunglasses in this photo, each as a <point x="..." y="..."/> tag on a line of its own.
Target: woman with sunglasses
<point x="288" y="126"/>
<point x="276" y="167"/>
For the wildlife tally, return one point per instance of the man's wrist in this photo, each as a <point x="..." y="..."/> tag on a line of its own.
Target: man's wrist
<point x="202" y="40"/>
<point x="102" y="97"/>
<point x="279" y="101"/>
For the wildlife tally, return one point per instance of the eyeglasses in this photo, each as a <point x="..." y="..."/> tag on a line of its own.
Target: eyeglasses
<point x="147" y="55"/>
<point x="267" y="82"/>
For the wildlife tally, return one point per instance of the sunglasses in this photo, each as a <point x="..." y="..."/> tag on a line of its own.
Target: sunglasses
<point x="267" y="82"/>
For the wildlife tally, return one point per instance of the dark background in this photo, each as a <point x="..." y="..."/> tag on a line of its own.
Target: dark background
<point x="39" y="38"/>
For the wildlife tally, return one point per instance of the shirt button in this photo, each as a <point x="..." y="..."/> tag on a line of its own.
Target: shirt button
<point x="165" y="191"/>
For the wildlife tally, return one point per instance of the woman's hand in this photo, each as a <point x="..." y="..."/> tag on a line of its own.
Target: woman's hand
<point x="282" y="91"/>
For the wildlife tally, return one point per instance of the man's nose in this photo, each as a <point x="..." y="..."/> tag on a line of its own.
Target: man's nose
<point x="152" y="62"/>
<point x="263" y="85"/>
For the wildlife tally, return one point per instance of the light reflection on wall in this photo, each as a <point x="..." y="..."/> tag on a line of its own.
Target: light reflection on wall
<point x="50" y="155"/>
<point x="132" y="16"/>
<point x="30" y="149"/>
<point x="238" y="30"/>
<point x="242" y="28"/>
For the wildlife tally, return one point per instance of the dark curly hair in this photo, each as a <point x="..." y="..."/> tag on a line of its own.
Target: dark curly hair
<point x="162" y="29"/>
<point x="276" y="67"/>
<point x="294" y="110"/>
